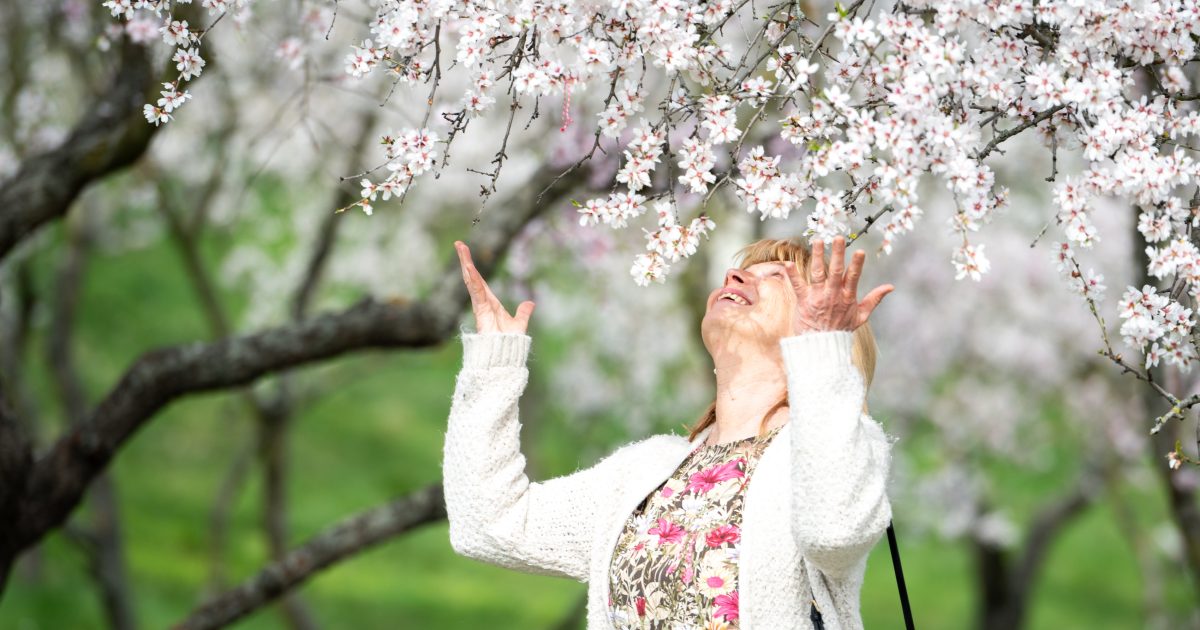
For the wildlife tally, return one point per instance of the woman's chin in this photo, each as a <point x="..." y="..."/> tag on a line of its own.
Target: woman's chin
<point x="717" y="317"/>
<point x="722" y="324"/>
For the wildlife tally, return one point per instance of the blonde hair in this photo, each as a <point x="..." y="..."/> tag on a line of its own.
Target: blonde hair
<point x="795" y="249"/>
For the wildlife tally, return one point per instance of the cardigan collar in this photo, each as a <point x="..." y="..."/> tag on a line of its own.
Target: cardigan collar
<point x="662" y="470"/>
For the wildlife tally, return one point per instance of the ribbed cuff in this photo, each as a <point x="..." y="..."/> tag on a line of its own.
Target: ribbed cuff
<point x="817" y="350"/>
<point x="495" y="349"/>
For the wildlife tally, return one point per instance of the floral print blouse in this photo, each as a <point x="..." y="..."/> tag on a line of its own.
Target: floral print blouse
<point x="675" y="565"/>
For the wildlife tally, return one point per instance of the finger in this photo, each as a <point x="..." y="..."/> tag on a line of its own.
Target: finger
<point x="816" y="262"/>
<point x="850" y="285"/>
<point x="483" y="293"/>
<point x="459" y="246"/>
<point x="793" y="274"/>
<point x="489" y="296"/>
<point x="837" y="261"/>
<point x="524" y="310"/>
<point x="464" y="259"/>
<point x="872" y="300"/>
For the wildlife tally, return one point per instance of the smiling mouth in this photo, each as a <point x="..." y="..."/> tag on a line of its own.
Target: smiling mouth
<point x="733" y="298"/>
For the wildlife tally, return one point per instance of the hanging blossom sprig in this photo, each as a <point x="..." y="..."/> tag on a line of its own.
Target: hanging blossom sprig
<point x="410" y="153"/>
<point x="871" y="102"/>
<point x="148" y="21"/>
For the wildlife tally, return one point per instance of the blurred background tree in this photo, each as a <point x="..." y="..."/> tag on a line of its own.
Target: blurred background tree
<point x="190" y="285"/>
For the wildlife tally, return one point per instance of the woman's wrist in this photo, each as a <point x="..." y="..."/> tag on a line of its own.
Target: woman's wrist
<point x="495" y="349"/>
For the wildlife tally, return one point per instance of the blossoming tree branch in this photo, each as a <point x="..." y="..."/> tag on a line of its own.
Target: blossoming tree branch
<point x="840" y="118"/>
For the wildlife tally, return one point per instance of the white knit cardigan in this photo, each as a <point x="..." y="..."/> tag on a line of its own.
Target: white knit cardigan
<point x="816" y="504"/>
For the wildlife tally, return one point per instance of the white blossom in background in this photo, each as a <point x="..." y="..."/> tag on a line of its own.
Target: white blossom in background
<point x="641" y="376"/>
<point x="899" y="98"/>
<point x="291" y="50"/>
<point x="1013" y="349"/>
<point x="410" y="152"/>
<point x="896" y="95"/>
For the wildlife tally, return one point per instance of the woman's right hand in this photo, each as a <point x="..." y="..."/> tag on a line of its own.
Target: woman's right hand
<point x="490" y="315"/>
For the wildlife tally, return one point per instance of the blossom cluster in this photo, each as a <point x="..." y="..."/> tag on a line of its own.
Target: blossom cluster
<point x="641" y="157"/>
<point x="925" y="88"/>
<point x="410" y="153"/>
<point x="697" y="160"/>
<point x="149" y="21"/>
<point x="844" y="119"/>
<point x="1154" y="318"/>
<point x="669" y="243"/>
<point x="1089" y="286"/>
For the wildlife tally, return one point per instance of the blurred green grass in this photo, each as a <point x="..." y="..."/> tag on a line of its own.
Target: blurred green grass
<point x="377" y="434"/>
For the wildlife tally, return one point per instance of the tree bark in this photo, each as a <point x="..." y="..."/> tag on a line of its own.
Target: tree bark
<point x="1007" y="578"/>
<point x="110" y="136"/>
<point x="1180" y="497"/>
<point x="344" y="540"/>
<point x="53" y="486"/>
<point x="103" y="544"/>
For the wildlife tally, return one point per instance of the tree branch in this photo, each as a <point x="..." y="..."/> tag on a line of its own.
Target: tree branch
<point x="1006" y="581"/>
<point x="342" y="541"/>
<point x="16" y="459"/>
<point x="1047" y="524"/>
<point x="100" y="540"/>
<point x="111" y="135"/>
<point x="1005" y="135"/>
<point x="60" y="478"/>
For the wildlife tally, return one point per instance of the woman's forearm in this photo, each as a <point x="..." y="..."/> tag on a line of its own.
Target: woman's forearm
<point x="840" y="455"/>
<point x="496" y="514"/>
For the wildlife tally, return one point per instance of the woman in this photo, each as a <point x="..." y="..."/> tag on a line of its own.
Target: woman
<point x="667" y="531"/>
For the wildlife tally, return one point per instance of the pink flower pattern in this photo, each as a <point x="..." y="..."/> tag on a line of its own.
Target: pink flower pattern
<point x="723" y="534"/>
<point x="706" y="479"/>
<point x="676" y="560"/>
<point x="667" y="532"/>
<point x="727" y="606"/>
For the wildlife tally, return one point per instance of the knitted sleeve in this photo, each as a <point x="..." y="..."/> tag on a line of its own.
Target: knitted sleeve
<point x="840" y="455"/>
<point x="497" y="515"/>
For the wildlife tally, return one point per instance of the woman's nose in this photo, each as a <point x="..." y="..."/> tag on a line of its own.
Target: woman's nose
<point x="735" y="274"/>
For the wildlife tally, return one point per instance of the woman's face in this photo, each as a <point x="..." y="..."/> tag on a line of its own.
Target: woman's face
<point x="763" y="320"/>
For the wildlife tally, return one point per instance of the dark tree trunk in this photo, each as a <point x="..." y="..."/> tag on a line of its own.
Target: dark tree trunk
<point x="1007" y="577"/>
<point x="1180" y="496"/>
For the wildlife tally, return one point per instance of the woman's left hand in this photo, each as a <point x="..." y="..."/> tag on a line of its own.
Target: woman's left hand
<point x="830" y="301"/>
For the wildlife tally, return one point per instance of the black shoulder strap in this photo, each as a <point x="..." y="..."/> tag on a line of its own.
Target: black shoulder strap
<point x="908" y="620"/>
<point x="814" y="614"/>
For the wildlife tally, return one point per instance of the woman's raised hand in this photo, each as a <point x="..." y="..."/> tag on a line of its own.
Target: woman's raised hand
<point x="829" y="301"/>
<point x="490" y="315"/>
